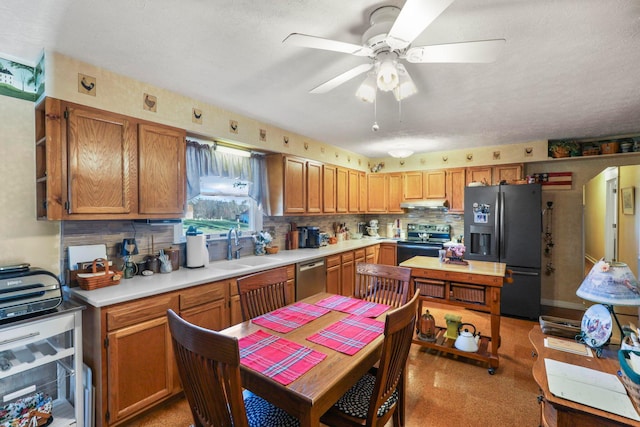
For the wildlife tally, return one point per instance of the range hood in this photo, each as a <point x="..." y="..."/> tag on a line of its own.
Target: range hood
<point x="438" y="204"/>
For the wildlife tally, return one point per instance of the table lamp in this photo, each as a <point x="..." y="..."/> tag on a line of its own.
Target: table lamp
<point x="609" y="284"/>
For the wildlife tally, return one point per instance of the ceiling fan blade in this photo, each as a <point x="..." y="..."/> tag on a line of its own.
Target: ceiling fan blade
<point x="415" y="16"/>
<point x="342" y="78"/>
<point x="314" y="42"/>
<point x="481" y="51"/>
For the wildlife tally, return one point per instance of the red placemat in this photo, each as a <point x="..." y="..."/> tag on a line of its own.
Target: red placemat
<point x="276" y="357"/>
<point x="349" y="334"/>
<point x="353" y="306"/>
<point x="288" y="318"/>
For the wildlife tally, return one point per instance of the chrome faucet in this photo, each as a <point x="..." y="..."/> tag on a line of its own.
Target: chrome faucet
<point x="234" y="231"/>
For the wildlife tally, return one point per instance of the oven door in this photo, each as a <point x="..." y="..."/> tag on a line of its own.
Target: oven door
<point x="407" y="250"/>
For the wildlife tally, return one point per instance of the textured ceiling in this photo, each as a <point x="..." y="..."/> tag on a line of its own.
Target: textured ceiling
<point x="569" y="67"/>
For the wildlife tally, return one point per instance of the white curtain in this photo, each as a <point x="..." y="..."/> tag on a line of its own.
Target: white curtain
<point x="204" y="160"/>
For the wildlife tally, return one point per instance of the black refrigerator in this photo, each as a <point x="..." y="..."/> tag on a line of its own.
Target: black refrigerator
<point x="503" y="223"/>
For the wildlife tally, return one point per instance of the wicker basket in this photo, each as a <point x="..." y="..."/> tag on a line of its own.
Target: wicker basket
<point x="630" y="379"/>
<point x="99" y="279"/>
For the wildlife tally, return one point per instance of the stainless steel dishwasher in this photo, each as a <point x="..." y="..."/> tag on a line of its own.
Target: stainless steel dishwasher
<point x="311" y="278"/>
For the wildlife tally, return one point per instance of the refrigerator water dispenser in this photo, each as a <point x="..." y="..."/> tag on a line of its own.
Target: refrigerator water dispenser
<point x="481" y="238"/>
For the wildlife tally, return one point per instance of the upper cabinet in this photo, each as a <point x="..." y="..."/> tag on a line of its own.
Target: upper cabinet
<point x="314" y="187"/>
<point x="455" y="183"/>
<point x="377" y="189"/>
<point x="161" y="168"/>
<point x="92" y="164"/>
<point x="494" y="175"/>
<point x="420" y="185"/>
<point x="329" y="188"/>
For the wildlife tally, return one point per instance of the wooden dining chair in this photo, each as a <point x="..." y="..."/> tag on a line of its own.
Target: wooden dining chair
<point x="262" y="292"/>
<point x="209" y="369"/>
<point x="384" y="284"/>
<point x="373" y="400"/>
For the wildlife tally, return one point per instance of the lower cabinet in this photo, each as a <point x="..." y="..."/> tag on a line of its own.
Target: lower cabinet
<point x="207" y="305"/>
<point x="341" y="271"/>
<point x="139" y="366"/>
<point x="388" y="254"/>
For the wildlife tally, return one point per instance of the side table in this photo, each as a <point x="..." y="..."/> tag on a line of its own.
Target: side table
<point x="556" y="411"/>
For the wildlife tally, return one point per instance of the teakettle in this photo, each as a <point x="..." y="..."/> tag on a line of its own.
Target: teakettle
<point x="467" y="341"/>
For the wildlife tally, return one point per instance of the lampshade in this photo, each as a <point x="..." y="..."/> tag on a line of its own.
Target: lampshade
<point x="387" y="77"/>
<point x="367" y="90"/>
<point x="129" y="247"/>
<point x="611" y="283"/>
<point x="405" y="87"/>
<point x="400" y="153"/>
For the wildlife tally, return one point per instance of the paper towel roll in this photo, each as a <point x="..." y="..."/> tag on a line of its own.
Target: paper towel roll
<point x="197" y="253"/>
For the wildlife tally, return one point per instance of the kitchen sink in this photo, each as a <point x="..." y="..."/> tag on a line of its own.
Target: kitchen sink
<point x="255" y="261"/>
<point x="228" y="266"/>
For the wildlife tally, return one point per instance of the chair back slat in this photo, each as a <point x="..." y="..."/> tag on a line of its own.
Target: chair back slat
<point x="262" y="292"/>
<point x="398" y="334"/>
<point x="209" y="368"/>
<point x="384" y="284"/>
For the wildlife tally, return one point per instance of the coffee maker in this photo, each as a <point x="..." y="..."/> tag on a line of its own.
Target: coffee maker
<point x="313" y="237"/>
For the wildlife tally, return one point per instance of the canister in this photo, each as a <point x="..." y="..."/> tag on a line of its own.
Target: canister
<point x="174" y="256"/>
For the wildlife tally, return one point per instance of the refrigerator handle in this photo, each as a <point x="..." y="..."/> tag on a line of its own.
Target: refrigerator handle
<point x="501" y="224"/>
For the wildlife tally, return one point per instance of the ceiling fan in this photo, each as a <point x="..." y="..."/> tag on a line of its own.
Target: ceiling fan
<point x="388" y="40"/>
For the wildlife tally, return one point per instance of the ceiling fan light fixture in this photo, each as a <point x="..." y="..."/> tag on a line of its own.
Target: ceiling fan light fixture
<point x="387" y="76"/>
<point x="405" y="87"/>
<point x="367" y="89"/>
<point x="400" y="153"/>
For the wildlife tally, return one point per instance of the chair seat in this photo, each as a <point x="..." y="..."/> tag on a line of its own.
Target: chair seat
<point x="356" y="401"/>
<point x="261" y="413"/>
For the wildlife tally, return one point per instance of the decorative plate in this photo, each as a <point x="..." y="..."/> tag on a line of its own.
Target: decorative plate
<point x="596" y="325"/>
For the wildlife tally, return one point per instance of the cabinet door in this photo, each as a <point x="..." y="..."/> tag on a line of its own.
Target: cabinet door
<point x="508" y="173"/>
<point x="362" y="188"/>
<point x="434" y="184"/>
<point x="342" y="190"/>
<point x="479" y="174"/>
<point x="372" y="254"/>
<point x="141" y="367"/>
<point x="359" y="255"/>
<point x="212" y="315"/>
<point x="333" y="274"/>
<point x="314" y="187"/>
<point x="294" y="186"/>
<point x="388" y="254"/>
<point x="377" y="193"/>
<point x="161" y="164"/>
<point x="395" y="192"/>
<point x="101" y="173"/>
<point x="348" y="274"/>
<point x="329" y="188"/>
<point x="455" y="189"/>
<point x="412" y="185"/>
<point x="354" y="191"/>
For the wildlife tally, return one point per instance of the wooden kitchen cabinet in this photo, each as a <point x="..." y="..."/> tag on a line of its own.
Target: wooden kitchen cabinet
<point x="394" y="199"/>
<point x="479" y="174"/>
<point x="207" y="305"/>
<point x="93" y="165"/>
<point x="455" y="183"/>
<point x="377" y="193"/>
<point x="362" y="186"/>
<point x="493" y="175"/>
<point x="137" y="358"/>
<point x="354" y="191"/>
<point x="161" y="170"/>
<point x="314" y="187"/>
<point x="342" y="190"/>
<point x="372" y="253"/>
<point x="329" y="188"/>
<point x="388" y="254"/>
<point x="341" y="273"/>
<point x="420" y="185"/>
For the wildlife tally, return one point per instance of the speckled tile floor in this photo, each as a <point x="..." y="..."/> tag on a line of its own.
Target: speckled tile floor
<point x="445" y="390"/>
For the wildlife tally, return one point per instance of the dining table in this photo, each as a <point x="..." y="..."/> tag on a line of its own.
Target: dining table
<point x="310" y="395"/>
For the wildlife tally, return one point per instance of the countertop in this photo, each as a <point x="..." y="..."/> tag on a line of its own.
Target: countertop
<point x="145" y="286"/>
<point x="474" y="267"/>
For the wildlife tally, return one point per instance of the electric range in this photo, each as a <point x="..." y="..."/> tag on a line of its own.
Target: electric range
<point x="423" y="240"/>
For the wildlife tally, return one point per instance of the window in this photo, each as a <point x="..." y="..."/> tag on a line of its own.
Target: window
<point x="223" y="203"/>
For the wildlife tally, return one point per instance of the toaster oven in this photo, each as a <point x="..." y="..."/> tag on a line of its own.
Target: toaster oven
<point x="26" y="291"/>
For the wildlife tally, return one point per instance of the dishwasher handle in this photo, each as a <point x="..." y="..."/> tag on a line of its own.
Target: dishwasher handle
<point x="309" y="266"/>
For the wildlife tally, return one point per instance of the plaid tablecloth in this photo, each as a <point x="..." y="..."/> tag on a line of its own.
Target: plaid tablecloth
<point x="349" y="335"/>
<point x="278" y="358"/>
<point x="353" y="306"/>
<point x="288" y="318"/>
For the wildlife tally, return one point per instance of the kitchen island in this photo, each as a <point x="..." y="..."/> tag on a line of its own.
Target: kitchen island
<point x="475" y="285"/>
